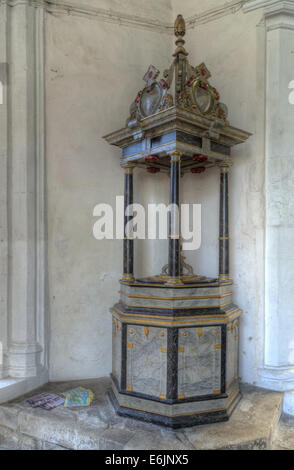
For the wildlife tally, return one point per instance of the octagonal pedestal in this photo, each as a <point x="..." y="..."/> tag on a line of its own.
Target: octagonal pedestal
<point x="175" y="353"/>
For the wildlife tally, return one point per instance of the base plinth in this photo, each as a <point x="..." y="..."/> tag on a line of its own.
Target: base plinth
<point x="175" y="353"/>
<point x="174" y="416"/>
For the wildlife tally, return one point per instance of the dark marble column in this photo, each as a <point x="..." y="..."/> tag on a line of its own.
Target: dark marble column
<point x="224" y="268"/>
<point x="174" y="264"/>
<point x="128" y="252"/>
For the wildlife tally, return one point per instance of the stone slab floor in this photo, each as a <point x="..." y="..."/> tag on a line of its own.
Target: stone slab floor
<point x="255" y="424"/>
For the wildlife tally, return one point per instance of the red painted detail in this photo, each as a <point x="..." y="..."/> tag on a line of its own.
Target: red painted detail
<point x="190" y="81"/>
<point x="216" y="94"/>
<point x="163" y="84"/>
<point x="151" y="158"/>
<point x="138" y="97"/>
<point x="150" y="74"/>
<point x="204" y="86"/>
<point x="153" y="170"/>
<point x="200" y="158"/>
<point x="199" y="169"/>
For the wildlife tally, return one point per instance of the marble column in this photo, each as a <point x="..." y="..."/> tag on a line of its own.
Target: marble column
<point x="224" y="268"/>
<point x="174" y="261"/>
<point x="128" y="249"/>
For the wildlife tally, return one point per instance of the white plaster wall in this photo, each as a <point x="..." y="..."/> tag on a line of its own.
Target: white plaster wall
<point x="189" y="8"/>
<point x="93" y="71"/>
<point x="156" y="10"/>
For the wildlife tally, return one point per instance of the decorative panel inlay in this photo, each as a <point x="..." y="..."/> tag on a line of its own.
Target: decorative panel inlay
<point x="146" y="360"/>
<point x="199" y="364"/>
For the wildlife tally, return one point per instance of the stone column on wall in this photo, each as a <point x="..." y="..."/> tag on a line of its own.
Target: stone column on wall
<point x="22" y="193"/>
<point x="3" y="193"/>
<point x="278" y="370"/>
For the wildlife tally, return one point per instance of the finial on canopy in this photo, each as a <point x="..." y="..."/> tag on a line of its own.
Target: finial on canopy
<point x="180" y="31"/>
<point x="180" y="26"/>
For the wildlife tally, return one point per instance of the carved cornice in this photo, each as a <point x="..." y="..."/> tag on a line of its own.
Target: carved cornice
<point x="277" y="14"/>
<point x="125" y="19"/>
<point x="276" y="6"/>
<point x="13" y="3"/>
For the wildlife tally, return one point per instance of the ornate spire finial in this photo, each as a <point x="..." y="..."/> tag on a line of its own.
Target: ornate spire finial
<point x="180" y="26"/>
<point x="180" y="31"/>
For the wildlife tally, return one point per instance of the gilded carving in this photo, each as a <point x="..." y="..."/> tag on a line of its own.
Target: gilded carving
<point x="192" y="88"/>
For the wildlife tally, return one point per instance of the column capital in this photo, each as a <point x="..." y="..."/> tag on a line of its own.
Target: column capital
<point x="128" y="167"/>
<point x="176" y="156"/>
<point x="225" y="166"/>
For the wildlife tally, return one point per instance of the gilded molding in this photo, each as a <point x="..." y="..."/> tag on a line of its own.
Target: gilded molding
<point x="128" y="277"/>
<point x="179" y="321"/>
<point x="195" y="307"/>
<point x="131" y="296"/>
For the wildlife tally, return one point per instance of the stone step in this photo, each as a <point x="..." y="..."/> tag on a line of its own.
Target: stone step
<point x="283" y="438"/>
<point x="251" y="425"/>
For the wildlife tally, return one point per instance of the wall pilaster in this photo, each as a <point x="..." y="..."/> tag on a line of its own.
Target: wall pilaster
<point x="23" y="312"/>
<point x="4" y="15"/>
<point x="278" y="370"/>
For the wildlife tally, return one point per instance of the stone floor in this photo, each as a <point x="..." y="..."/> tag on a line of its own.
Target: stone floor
<point x="253" y="425"/>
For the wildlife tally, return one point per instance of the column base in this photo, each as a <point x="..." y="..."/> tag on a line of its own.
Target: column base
<point x="224" y="277"/>
<point x="280" y="378"/>
<point x="128" y="277"/>
<point x="288" y="403"/>
<point x="174" y="280"/>
<point x="178" y="415"/>
<point x="24" y="360"/>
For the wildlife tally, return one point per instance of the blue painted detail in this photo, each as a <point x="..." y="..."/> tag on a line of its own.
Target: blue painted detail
<point x="134" y="148"/>
<point x="163" y="139"/>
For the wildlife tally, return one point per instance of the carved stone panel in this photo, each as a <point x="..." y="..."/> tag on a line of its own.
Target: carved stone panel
<point x="199" y="363"/>
<point x="147" y="360"/>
